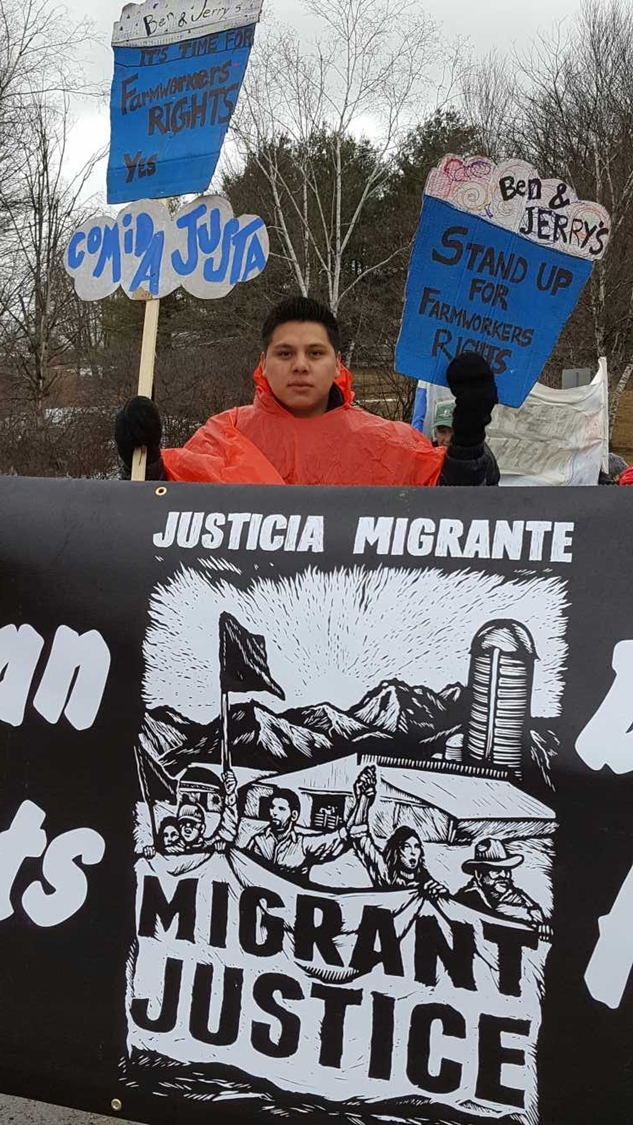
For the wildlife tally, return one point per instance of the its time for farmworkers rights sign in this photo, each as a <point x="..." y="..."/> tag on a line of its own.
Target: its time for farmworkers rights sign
<point x="179" y="67"/>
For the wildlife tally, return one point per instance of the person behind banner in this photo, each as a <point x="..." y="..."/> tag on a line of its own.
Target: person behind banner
<point x="443" y="435"/>
<point x="303" y="427"/>
<point x="401" y="864"/>
<point x="492" y="890"/>
<point x="286" y="849"/>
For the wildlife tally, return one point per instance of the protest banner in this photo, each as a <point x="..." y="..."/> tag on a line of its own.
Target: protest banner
<point x="178" y="70"/>
<point x="313" y="804"/>
<point x="557" y="438"/>
<point x="500" y="260"/>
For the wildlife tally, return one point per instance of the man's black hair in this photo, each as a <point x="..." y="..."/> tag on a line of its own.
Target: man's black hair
<point x="292" y="799"/>
<point x="302" y="309"/>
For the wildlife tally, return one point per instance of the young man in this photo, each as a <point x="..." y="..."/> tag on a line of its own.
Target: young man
<point x="303" y="428"/>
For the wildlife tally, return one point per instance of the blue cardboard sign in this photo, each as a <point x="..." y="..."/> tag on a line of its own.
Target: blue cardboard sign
<point x="170" y="110"/>
<point x="203" y="249"/>
<point x="496" y="273"/>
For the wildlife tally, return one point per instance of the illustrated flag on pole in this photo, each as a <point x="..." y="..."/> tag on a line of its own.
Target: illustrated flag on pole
<point x="244" y="660"/>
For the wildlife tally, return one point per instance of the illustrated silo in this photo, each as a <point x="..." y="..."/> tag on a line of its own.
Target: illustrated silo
<point x="500" y="687"/>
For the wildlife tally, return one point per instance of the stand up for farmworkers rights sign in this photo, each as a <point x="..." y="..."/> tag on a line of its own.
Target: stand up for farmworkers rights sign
<point x="179" y="68"/>
<point x="500" y="260"/>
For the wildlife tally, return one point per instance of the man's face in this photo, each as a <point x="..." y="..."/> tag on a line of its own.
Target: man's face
<point x="495" y="881"/>
<point x="443" y="435"/>
<point x="190" y="830"/>
<point x="281" y="816"/>
<point x="410" y="855"/>
<point x="171" y="839"/>
<point x="301" y="366"/>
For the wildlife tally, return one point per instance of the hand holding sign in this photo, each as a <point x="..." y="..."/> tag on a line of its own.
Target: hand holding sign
<point x="138" y="426"/>
<point x="500" y="260"/>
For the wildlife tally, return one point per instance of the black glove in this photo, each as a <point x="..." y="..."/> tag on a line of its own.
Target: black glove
<point x="138" y="426"/>
<point x="471" y="380"/>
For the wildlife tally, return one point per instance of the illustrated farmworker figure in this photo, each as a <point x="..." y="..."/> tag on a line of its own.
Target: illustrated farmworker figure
<point x="191" y="824"/>
<point x="492" y="890"/>
<point x="303" y="427"/>
<point x="443" y="435"/>
<point x="169" y="839"/>
<point x="286" y="849"/>
<point x="401" y="863"/>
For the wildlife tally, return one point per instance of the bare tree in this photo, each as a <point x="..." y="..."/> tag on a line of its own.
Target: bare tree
<point x="39" y="325"/>
<point x="39" y="59"/>
<point x="367" y="72"/>
<point x="567" y="107"/>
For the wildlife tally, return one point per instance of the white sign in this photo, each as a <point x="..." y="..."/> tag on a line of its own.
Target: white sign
<point x="555" y="439"/>
<point x="161" y="22"/>
<point x="204" y="249"/>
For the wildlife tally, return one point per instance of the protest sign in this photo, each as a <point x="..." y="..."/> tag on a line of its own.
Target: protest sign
<point x="346" y="837"/>
<point x="500" y="260"/>
<point x="204" y="249"/>
<point x="178" y="70"/>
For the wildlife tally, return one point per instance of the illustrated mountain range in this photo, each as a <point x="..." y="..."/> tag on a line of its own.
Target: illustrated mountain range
<point x="394" y="719"/>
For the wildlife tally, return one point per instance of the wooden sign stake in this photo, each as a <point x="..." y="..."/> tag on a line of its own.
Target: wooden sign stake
<point x="146" y="372"/>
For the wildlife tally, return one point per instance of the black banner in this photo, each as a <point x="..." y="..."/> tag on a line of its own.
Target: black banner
<point x="317" y="803"/>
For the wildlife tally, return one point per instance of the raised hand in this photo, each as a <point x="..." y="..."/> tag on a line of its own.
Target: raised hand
<point x="471" y="380"/>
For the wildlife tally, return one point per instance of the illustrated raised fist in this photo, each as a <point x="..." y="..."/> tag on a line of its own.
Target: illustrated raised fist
<point x="366" y="783"/>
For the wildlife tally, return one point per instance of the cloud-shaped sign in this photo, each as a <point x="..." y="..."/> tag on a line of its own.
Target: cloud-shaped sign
<point x="512" y="195"/>
<point x="204" y="249"/>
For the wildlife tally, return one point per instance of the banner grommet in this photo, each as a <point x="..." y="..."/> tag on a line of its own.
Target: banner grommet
<point x="161" y="491"/>
<point x="117" y="1105"/>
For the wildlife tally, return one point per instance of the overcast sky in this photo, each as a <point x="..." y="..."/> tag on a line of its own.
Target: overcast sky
<point x="488" y="24"/>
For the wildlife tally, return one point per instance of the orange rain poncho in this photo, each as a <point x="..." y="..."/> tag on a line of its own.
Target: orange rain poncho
<point x="264" y="444"/>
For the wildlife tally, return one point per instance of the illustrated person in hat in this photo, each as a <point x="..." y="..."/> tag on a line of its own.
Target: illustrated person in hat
<point x="444" y="434"/>
<point x="192" y="823"/>
<point x="492" y="890"/>
<point x="303" y="427"/>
